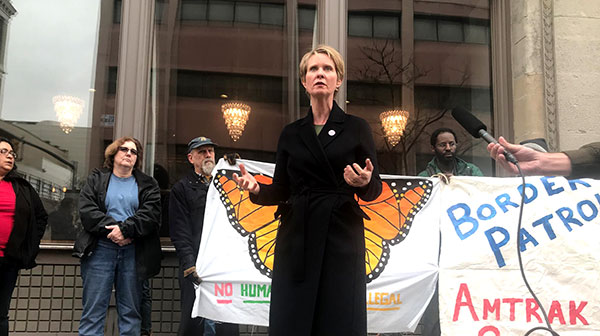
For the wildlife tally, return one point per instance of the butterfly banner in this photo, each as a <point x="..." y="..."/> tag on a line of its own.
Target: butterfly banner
<point x="235" y="258"/>
<point x="481" y="288"/>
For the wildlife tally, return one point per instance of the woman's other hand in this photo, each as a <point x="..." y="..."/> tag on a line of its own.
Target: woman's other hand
<point x="246" y="181"/>
<point x="358" y="177"/>
<point x="115" y="235"/>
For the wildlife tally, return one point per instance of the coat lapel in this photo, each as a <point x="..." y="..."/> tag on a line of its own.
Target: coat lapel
<point x="334" y="126"/>
<point x="314" y="145"/>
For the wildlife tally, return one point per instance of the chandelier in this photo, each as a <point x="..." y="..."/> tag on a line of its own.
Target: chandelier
<point x="235" y="115"/>
<point x="393" y="123"/>
<point x="68" y="110"/>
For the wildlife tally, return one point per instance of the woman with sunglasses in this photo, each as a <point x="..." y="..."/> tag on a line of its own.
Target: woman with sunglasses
<point x="22" y="224"/>
<point x="119" y="245"/>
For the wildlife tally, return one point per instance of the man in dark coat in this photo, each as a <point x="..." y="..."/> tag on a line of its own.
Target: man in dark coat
<point x="186" y="219"/>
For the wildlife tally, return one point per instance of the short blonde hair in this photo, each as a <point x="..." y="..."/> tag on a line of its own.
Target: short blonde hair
<point x="327" y="50"/>
<point x="113" y="148"/>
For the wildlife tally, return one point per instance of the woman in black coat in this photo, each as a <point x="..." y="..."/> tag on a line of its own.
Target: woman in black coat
<point x="22" y="224"/>
<point x="319" y="282"/>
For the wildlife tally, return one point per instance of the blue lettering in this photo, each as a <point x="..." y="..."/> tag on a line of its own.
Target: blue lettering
<point x="526" y="238"/>
<point x="482" y="216"/>
<point x="503" y="202"/>
<point x="591" y="206"/>
<point x="465" y="218"/>
<point x="546" y="223"/>
<point x="496" y="245"/>
<point x="567" y="218"/>
<point x="573" y="184"/>
<point x="534" y="193"/>
<point x="548" y="185"/>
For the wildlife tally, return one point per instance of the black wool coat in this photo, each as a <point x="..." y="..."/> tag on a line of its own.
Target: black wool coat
<point x="143" y="226"/>
<point x="186" y="217"/>
<point x="319" y="281"/>
<point x="29" y="224"/>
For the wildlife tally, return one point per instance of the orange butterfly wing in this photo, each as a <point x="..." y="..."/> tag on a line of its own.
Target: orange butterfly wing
<point x="391" y="214"/>
<point x="250" y="219"/>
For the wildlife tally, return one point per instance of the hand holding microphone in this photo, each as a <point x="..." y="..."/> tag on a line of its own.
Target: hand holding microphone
<point x="527" y="156"/>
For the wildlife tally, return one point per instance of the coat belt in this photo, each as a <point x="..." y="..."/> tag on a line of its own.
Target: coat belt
<point x="301" y="202"/>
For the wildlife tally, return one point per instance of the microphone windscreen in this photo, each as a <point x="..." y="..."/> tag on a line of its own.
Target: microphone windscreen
<point x="467" y="120"/>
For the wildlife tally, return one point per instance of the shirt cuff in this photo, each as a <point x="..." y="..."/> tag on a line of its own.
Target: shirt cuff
<point x="189" y="271"/>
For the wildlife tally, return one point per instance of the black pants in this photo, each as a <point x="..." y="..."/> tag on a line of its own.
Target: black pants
<point x="8" y="279"/>
<point x="188" y="325"/>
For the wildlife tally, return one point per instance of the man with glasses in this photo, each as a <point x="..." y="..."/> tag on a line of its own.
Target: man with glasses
<point x="186" y="219"/>
<point x="445" y="161"/>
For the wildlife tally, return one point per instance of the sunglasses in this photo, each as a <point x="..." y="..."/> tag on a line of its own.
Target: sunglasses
<point x="126" y="150"/>
<point x="7" y="152"/>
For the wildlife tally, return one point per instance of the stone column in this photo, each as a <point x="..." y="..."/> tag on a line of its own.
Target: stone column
<point x="528" y="72"/>
<point x="576" y="27"/>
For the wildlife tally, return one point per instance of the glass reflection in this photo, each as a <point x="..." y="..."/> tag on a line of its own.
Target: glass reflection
<point x="217" y="52"/>
<point x="59" y="62"/>
<point x="424" y="58"/>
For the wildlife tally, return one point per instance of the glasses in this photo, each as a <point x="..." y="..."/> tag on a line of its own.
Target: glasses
<point x="443" y="145"/>
<point x="126" y="150"/>
<point x="7" y="152"/>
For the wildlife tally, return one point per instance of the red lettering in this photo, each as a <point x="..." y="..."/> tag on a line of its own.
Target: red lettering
<point x="531" y="308"/>
<point x="575" y="312"/>
<point x="224" y="289"/>
<point x="488" y="308"/>
<point x="556" y="312"/>
<point x="512" y="303"/>
<point x="492" y="329"/>
<point x="464" y="291"/>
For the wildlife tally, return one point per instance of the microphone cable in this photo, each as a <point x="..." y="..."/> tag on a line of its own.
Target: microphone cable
<point x="549" y="327"/>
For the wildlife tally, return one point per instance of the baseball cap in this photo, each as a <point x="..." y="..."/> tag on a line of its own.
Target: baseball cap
<point x="199" y="142"/>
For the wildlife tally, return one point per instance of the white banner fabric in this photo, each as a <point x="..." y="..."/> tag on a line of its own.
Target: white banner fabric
<point x="401" y="263"/>
<point x="481" y="289"/>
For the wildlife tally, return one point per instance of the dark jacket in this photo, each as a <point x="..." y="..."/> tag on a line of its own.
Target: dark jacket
<point x="29" y="224"/>
<point x="186" y="217"/>
<point x="319" y="281"/>
<point x="462" y="168"/>
<point x="143" y="226"/>
<point x="585" y="161"/>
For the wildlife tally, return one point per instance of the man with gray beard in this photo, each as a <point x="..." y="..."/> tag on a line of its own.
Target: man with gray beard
<point x="186" y="218"/>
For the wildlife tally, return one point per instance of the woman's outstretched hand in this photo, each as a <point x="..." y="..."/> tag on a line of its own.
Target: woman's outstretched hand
<point x="246" y="181"/>
<point x="358" y="177"/>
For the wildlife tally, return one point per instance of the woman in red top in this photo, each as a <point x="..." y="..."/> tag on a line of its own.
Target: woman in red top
<point x="22" y="224"/>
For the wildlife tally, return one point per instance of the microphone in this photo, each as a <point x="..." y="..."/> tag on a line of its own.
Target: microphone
<point x="478" y="129"/>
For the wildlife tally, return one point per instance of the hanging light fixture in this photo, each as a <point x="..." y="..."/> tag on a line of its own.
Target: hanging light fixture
<point x="235" y="115"/>
<point x="393" y="123"/>
<point x="68" y="110"/>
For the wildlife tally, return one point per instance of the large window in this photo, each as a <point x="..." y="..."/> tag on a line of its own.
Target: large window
<point x="378" y="25"/>
<point x="233" y="12"/>
<point x="452" y="29"/>
<point x="58" y="92"/>
<point x="217" y="52"/>
<point x="211" y="52"/>
<point x="424" y="59"/>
